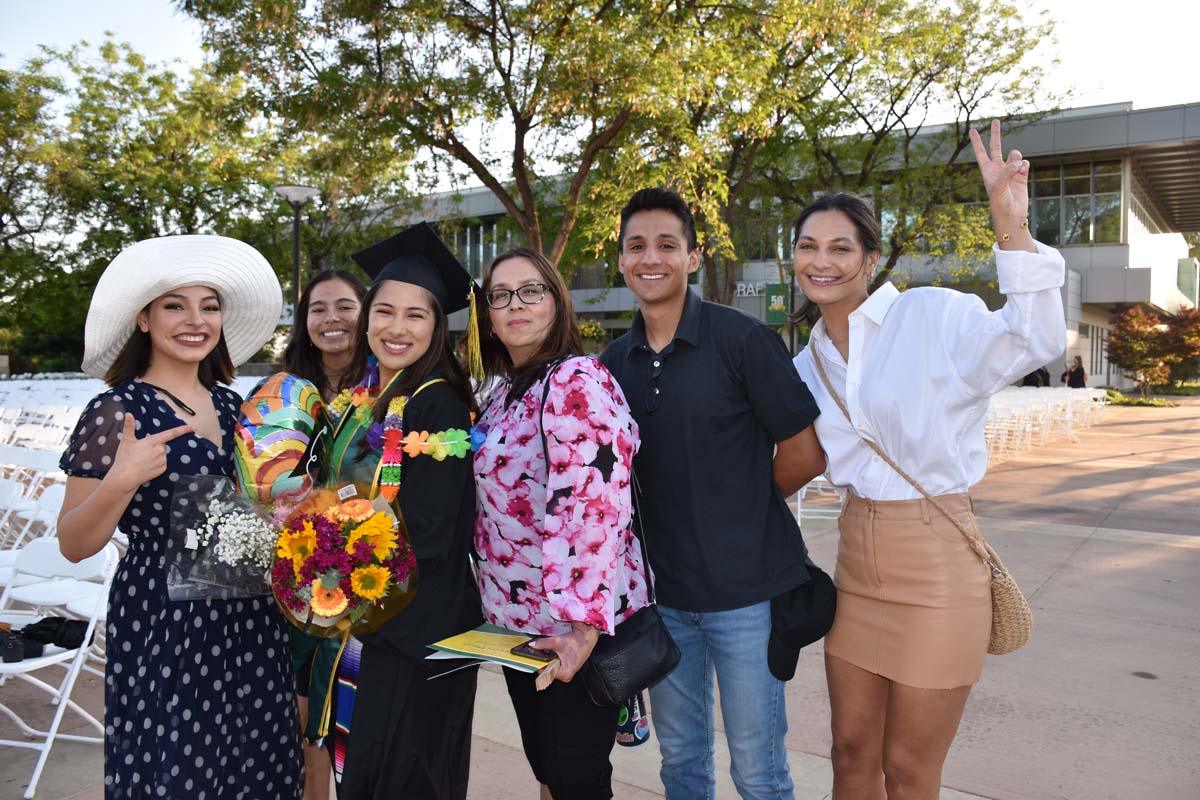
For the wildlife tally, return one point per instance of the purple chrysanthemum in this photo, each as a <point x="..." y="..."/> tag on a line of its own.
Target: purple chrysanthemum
<point x="375" y="436"/>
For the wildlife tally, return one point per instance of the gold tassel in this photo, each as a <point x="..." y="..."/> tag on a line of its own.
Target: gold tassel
<point x="323" y="728"/>
<point x="474" y="354"/>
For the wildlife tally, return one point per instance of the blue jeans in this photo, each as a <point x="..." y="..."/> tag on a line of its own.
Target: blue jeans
<point x="733" y="644"/>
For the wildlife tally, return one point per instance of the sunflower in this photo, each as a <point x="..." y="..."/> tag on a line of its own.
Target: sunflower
<point x="297" y="545"/>
<point x="378" y="531"/>
<point x="327" y="602"/>
<point x="370" y="582"/>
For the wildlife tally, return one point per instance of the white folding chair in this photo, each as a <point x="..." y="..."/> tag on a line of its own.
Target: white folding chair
<point x="829" y="497"/>
<point x="30" y="466"/>
<point x="44" y="512"/>
<point x="41" y="558"/>
<point x="61" y="581"/>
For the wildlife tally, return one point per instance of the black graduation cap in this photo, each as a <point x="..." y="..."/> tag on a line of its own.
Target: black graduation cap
<point x="416" y="255"/>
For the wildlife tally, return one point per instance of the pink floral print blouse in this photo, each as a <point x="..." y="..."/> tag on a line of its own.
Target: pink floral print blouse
<point x="555" y="549"/>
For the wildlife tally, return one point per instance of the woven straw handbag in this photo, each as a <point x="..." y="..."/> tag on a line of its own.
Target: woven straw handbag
<point x="1012" y="619"/>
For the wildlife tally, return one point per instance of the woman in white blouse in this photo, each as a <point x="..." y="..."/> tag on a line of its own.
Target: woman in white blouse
<point x="914" y="371"/>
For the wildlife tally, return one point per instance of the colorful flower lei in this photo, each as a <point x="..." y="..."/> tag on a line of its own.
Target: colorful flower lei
<point x="357" y="397"/>
<point x="389" y="435"/>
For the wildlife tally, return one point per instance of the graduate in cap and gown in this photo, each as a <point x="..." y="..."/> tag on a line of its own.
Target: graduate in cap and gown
<point x="404" y="432"/>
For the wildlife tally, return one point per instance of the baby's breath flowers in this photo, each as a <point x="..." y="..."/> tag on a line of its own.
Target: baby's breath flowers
<point x="238" y="537"/>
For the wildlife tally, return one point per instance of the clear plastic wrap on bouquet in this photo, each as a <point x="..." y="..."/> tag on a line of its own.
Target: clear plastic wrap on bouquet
<point x="220" y="546"/>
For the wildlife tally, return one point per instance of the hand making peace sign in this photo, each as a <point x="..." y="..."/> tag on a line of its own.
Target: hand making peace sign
<point x="1007" y="185"/>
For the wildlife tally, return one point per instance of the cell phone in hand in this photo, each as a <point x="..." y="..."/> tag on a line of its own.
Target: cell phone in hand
<point x="527" y="650"/>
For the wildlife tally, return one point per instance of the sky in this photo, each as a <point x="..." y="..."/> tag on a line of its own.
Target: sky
<point x="1144" y="51"/>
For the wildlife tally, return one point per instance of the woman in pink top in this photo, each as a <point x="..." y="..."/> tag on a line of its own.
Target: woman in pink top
<point x="555" y="554"/>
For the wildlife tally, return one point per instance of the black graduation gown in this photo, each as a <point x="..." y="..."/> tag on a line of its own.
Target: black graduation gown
<point x="411" y="737"/>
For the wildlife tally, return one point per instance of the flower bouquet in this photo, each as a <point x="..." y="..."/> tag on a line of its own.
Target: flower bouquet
<point x="221" y="545"/>
<point x="343" y="563"/>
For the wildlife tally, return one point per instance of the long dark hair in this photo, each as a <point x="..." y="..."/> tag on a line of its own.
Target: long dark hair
<point x="302" y="356"/>
<point x="440" y="357"/>
<point x="562" y="340"/>
<point x="865" y="225"/>
<point x="134" y="359"/>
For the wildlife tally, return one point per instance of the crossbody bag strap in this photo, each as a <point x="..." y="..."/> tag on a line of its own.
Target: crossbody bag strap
<point x="633" y="482"/>
<point x="981" y="548"/>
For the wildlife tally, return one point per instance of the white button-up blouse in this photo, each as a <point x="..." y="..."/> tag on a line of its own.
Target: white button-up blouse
<point x="922" y="366"/>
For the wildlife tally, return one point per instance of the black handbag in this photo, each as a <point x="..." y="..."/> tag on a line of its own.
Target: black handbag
<point x="641" y="652"/>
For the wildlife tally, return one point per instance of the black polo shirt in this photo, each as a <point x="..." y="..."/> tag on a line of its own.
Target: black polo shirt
<point x="711" y="407"/>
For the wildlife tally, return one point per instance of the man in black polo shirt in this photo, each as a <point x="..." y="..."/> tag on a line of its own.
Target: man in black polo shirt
<point x="723" y="418"/>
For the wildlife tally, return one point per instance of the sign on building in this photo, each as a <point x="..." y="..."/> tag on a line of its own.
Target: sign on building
<point x="777" y="303"/>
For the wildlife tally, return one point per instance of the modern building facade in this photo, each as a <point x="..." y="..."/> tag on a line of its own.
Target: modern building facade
<point x="1115" y="189"/>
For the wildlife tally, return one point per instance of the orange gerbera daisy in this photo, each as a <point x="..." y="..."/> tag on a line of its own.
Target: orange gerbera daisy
<point x="356" y="510"/>
<point x="328" y="602"/>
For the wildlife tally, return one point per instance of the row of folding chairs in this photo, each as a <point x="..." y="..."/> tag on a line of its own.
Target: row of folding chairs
<point x="40" y="582"/>
<point x="1018" y="419"/>
<point x="1021" y="418"/>
<point x="31" y="493"/>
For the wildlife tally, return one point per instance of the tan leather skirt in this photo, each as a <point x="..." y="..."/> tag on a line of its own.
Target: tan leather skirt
<point x="914" y="601"/>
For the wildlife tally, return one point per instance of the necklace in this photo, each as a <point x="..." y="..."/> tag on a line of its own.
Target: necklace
<point x="184" y="407"/>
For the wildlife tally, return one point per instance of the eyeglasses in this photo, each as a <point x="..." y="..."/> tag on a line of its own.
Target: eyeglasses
<point x="653" y="390"/>
<point x="530" y="294"/>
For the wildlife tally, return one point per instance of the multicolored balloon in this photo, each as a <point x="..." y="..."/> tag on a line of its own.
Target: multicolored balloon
<point x="278" y="419"/>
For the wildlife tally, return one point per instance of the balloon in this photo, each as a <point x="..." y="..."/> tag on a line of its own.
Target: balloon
<point x="278" y="419"/>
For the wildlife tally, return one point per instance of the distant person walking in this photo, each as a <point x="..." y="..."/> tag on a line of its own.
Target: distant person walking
<point x="1075" y="377"/>
<point x="912" y="373"/>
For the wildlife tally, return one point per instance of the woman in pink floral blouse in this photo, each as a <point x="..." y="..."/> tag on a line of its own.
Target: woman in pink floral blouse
<point x="556" y="557"/>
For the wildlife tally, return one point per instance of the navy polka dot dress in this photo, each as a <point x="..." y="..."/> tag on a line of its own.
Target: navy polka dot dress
<point x="198" y="695"/>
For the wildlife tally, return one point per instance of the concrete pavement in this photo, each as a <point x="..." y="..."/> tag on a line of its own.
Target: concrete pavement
<point x="1104" y="536"/>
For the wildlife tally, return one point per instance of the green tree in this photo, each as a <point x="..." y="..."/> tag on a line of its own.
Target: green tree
<point x="1138" y="344"/>
<point x="1182" y="344"/>
<point x="917" y="60"/>
<point x="363" y="196"/>
<point x="27" y="154"/>
<point x="138" y="151"/>
<point x="767" y="63"/>
<point x="523" y="97"/>
<point x="815" y="96"/>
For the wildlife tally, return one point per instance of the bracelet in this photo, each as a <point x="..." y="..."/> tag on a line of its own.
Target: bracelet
<point x="1004" y="237"/>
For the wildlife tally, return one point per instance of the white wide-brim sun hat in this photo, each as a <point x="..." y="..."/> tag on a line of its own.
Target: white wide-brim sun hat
<point x="251" y="299"/>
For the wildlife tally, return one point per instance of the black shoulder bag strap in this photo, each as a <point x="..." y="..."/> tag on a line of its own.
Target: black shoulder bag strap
<point x="634" y="488"/>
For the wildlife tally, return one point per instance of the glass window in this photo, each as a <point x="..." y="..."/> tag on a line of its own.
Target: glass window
<point x="488" y="230"/>
<point x="1098" y="362"/>
<point x="1077" y="179"/>
<point x="474" y="249"/>
<point x="1047" y="220"/>
<point x="1077" y="220"/>
<point x="1107" y="176"/>
<point x="1107" y="229"/>
<point x="1046" y="181"/>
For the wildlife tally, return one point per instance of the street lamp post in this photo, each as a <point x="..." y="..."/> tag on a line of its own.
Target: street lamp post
<point x="297" y="196"/>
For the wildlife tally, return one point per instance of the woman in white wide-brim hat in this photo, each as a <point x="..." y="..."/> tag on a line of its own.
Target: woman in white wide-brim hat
<point x="198" y="694"/>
